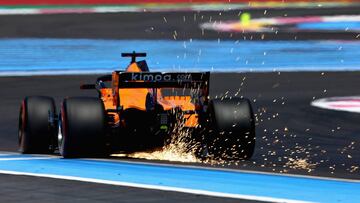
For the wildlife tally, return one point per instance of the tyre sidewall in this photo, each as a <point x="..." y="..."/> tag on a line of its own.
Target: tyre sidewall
<point x="232" y="128"/>
<point x="35" y="133"/>
<point x="82" y="127"/>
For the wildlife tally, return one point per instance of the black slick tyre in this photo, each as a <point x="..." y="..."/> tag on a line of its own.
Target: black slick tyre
<point x="82" y="127"/>
<point x="35" y="133"/>
<point x="231" y="129"/>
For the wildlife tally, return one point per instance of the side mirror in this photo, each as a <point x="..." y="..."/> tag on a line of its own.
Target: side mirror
<point x="87" y="86"/>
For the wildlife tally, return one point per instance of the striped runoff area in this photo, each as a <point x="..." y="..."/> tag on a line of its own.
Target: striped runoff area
<point x="345" y="23"/>
<point x="7" y="8"/>
<point x="84" y="56"/>
<point x="186" y="179"/>
<point x="85" y="2"/>
<point x="349" y="104"/>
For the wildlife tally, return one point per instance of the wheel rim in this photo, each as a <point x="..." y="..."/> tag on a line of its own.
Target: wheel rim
<point x="60" y="136"/>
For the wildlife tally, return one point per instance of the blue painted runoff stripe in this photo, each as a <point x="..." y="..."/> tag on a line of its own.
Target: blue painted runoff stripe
<point x="330" y="26"/>
<point x="235" y="184"/>
<point x="83" y="56"/>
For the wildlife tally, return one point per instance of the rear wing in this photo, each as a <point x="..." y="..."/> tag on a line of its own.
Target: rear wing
<point x="120" y="80"/>
<point x="160" y="80"/>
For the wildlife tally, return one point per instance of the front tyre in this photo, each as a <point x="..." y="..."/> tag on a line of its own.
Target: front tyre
<point x="36" y="135"/>
<point x="82" y="127"/>
<point x="231" y="128"/>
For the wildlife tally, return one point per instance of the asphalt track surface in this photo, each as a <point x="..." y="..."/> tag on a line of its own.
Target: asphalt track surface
<point x="35" y="189"/>
<point x="313" y="127"/>
<point x="307" y="126"/>
<point x="290" y="129"/>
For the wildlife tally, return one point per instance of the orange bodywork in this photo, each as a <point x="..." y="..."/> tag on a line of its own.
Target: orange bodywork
<point x="136" y="98"/>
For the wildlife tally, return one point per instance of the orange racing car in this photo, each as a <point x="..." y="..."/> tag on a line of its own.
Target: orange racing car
<point x="138" y="110"/>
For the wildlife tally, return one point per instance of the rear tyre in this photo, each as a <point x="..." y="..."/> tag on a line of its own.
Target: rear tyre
<point x="82" y="128"/>
<point x="231" y="129"/>
<point x="35" y="133"/>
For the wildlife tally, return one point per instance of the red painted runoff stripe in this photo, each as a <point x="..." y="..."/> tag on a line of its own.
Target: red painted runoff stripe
<point x="93" y="2"/>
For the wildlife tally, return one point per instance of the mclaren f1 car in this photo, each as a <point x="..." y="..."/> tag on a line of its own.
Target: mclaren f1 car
<point x="137" y="110"/>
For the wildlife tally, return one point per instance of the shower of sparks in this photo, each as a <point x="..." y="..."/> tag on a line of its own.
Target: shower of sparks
<point x="300" y="164"/>
<point x="180" y="147"/>
<point x="278" y="149"/>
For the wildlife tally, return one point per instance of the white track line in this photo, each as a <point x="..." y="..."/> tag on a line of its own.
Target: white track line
<point x="24" y="158"/>
<point x="19" y="11"/>
<point x="158" y="187"/>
